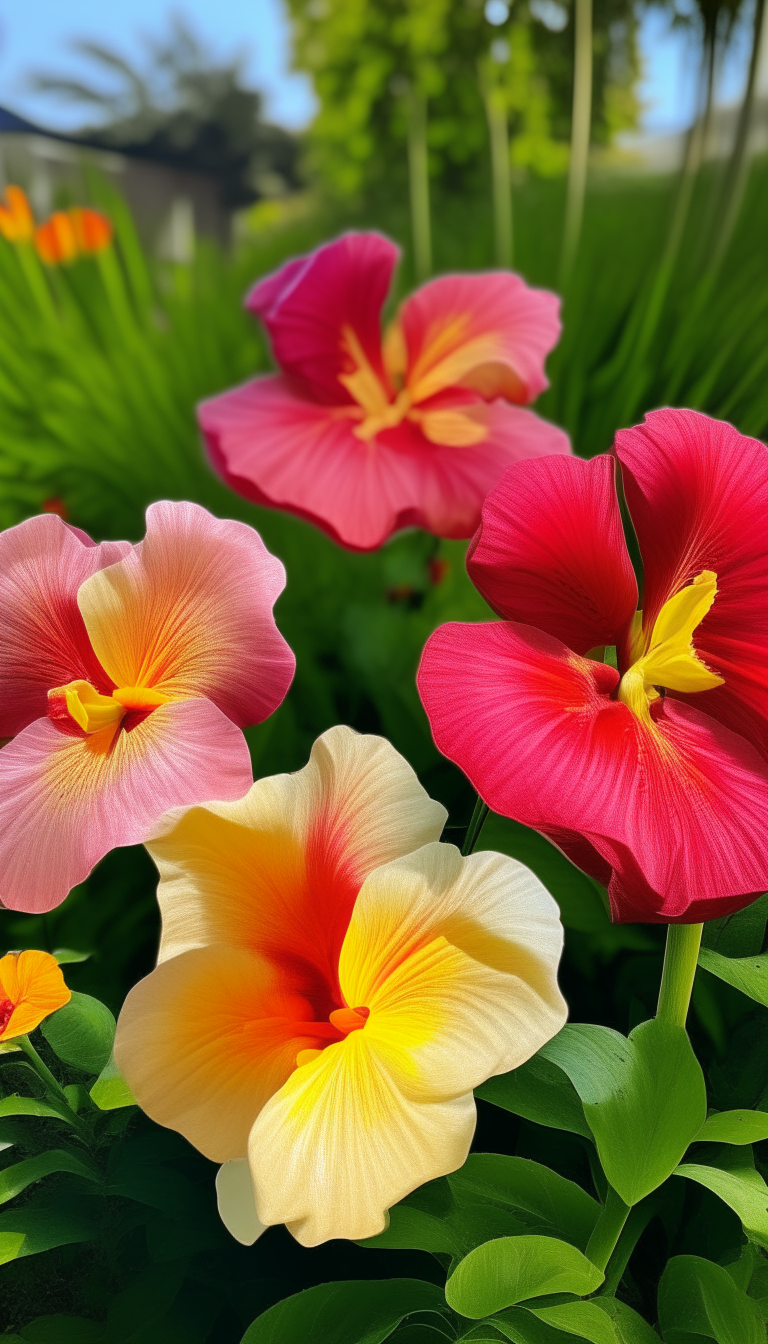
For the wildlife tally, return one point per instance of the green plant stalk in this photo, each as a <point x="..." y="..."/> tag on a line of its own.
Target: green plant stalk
<point x="418" y="173"/>
<point x="498" y="131"/>
<point x="44" y="1073"/>
<point x="607" y="1229"/>
<point x="581" y="121"/>
<point x="475" y="826"/>
<point x="36" y="279"/>
<point x="680" y="961"/>
<point x="633" y="1229"/>
<point x="738" y="168"/>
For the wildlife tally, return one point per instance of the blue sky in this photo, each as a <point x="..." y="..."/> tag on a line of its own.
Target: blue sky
<point x="35" y="33"/>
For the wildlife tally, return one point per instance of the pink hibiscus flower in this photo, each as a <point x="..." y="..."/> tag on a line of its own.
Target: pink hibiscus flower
<point x="127" y="674"/>
<point x="650" y="774"/>
<point x="363" y="436"/>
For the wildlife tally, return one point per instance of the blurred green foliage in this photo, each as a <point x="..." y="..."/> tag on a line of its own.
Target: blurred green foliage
<point x="365" y="57"/>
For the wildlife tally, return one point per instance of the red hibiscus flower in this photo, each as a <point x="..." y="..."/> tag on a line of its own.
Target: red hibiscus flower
<point x="652" y="774"/>
<point x="363" y="436"/>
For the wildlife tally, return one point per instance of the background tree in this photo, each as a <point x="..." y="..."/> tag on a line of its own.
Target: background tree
<point x="184" y="107"/>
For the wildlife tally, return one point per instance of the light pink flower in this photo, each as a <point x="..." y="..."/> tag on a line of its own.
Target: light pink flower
<point x="363" y="435"/>
<point x="127" y="673"/>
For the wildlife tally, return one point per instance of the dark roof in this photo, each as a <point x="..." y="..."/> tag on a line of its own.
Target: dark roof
<point x="10" y="122"/>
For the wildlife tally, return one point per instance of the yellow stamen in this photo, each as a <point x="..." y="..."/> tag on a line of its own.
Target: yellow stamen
<point x="94" y="712"/>
<point x="670" y="659"/>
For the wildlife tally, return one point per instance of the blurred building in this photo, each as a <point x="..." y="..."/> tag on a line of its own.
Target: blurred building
<point x="171" y="205"/>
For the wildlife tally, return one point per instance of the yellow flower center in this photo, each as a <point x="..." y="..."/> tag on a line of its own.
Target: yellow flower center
<point x="93" y="712"/>
<point x="451" y="427"/>
<point x="344" y="1020"/>
<point x="669" y="659"/>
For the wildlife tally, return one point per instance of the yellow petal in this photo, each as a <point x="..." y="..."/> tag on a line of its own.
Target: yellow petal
<point x="456" y="960"/>
<point x="453" y="428"/>
<point x="340" y="1143"/>
<point x="278" y="871"/>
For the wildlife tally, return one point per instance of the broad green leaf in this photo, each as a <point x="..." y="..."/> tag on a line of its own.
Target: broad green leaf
<point x="734" y="1127"/>
<point x="739" y="935"/>
<point x="513" y="1269"/>
<point x="644" y="1098"/>
<point x="62" y="1330"/>
<point x="581" y="906"/>
<point x="453" y="1233"/>
<point x="749" y="974"/>
<point x="538" y="1091"/>
<point x="16" y="1178"/>
<point x="110" y="1091"/>
<point x="81" y="1033"/>
<point x="736" y="1182"/>
<point x="519" y="1325"/>
<point x="540" y="1195"/>
<point x="698" y="1298"/>
<point x="352" y="1312"/>
<point x="46" y="1221"/>
<point x="604" y="1320"/>
<point x="67" y="955"/>
<point x="31" y="1106"/>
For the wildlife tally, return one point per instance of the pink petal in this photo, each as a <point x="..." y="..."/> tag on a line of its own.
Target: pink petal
<point x="698" y="494"/>
<point x="680" y="812"/>
<point x="550" y="551"/>
<point x="67" y="799"/>
<point x="278" y="448"/>
<point x="490" y="333"/>
<point x="43" y="642"/>
<point x="190" y="612"/>
<point x="307" y="304"/>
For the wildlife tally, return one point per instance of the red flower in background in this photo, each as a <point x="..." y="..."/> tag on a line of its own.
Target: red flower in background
<point x="651" y="777"/>
<point x="363" y="436"/>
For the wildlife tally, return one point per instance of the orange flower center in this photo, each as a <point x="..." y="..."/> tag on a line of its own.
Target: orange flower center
<point x="345" y="1020"/>
<point x="79" y="702"/>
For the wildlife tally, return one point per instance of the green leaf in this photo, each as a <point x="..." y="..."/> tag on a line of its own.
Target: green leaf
<point x="110" y="1091"/>
<point x="16" y="1178"/>
<point x="601" y="1321"/>
<point x="736" y="1182"/>
<point x="541" y="1092"/>
<point x="749" y="974"/>
<point x="81" y="1033"/>
<point x="46" y="1221"/>
<point x="512" y="1269"/>
<point x="739" y="935"/>
<point x="697" y="1297"/>
<point x="352" y="1312"/>
<point x="581" y="906"/>
<point x="734" y="1127"/>
<point x="543" y="1198"/>
<point x="31" y="1106"/>
<point x="644" y="1098"/>
<point x="67" y="955"/>
<point x="62" y="1330"/>
<point x="522" y="1327"/>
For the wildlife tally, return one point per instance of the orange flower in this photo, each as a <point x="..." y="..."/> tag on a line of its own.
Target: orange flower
<point x="56" y="241"/>
<point x="93" y="231"/>
<point x="31" y="987"/>
<point x="16" y="220"/>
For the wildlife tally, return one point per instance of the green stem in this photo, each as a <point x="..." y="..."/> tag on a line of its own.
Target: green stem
<point x="634" y="1227"/>
<point x="418" y="172"/>
<point x="475" y="826"/>
<point x="608" y="1229"/>
<point x="680" y="960"/>
<point x="57" y="1091"/>
<point x="496" y="111"/>
<point x="580" y="128"/>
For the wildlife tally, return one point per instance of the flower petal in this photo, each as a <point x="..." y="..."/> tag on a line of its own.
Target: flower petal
<point x="340" y="1143"/>
<point x="309" y="305"/>
<point x="190" y="611"/>
<point x="456" y="959"/>
<point x="66" y="798"/>
<point x="205" y="1040"/>
<point x="550" y="551"/>
<point x="490" y="333"/>
<point x="679" y="809"/>
<point x="43" y="641"/>
<point x="278" y="872"/>
<point x="234" y="1196"/>
<point x="698" y="494"/>
<point x="278" y="448"/>
<point x="34" y="984"/>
